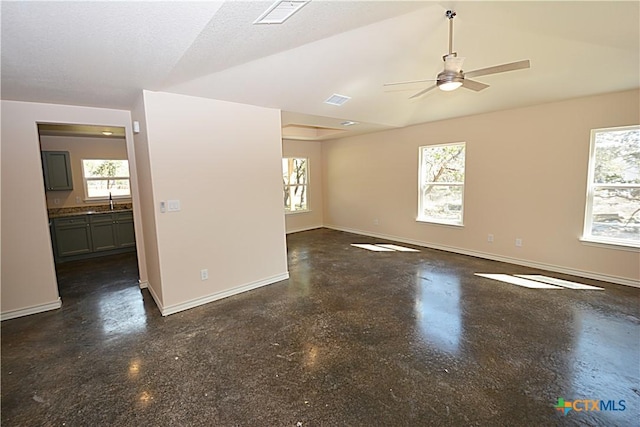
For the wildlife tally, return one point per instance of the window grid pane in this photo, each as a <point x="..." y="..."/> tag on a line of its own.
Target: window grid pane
<point x="443" y="202"/>
<point x="297" y="198"/>
<point x="105" y="168"/>
<point x="613" y="213"/>
<point x="103" y="187"/>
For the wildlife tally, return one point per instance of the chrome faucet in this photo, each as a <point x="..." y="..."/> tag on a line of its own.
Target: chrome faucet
<point x="110" y="202"/>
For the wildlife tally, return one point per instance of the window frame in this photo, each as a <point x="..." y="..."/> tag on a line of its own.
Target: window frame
<point x="86" y="179"/>
<point x="587" y="237"/>
<point x="431" y="220"/>
<point x="306" y="185"/>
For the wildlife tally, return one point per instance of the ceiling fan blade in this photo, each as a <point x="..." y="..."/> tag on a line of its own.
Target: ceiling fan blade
<point x="499" y="69"/>
<point x="422" y="92"/>
<point x="409" y="81"/>
<point x="473" y="85"/>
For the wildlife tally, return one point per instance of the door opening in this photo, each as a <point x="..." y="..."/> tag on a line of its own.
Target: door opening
<point x="89" y="203"/>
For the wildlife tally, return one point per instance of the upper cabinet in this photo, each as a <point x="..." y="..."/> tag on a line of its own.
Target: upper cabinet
<point x="57" y="170"/>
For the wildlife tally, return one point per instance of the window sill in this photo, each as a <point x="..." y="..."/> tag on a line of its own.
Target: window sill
<point x="296" y="212"/>
<point x="609" y="244"/>
<point x="435" y="222"/>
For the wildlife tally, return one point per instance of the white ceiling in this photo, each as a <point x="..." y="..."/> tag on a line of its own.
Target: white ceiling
<point x="103" y="54"/>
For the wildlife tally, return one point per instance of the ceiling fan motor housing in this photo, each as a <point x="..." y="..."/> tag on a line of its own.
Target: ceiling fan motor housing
<point x="448" y="76"/>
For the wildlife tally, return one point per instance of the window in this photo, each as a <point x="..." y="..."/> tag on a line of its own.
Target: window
<point x="106" y="177"/>
<point x="295" y="179"/>
<point x="441" y="183"/>
<point x="613" y="191"/>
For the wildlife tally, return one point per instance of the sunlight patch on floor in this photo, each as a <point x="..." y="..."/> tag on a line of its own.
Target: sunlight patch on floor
<point x="397" y="248"/>
<point x="538" y="281"/>
<point x="559" y="282"/>
<point x="371" y="247"/>
<point x="518" y="281"/>
<point x="383" y="247"/>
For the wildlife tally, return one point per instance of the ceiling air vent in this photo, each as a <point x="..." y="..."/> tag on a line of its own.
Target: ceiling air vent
<point x="280" y="11"/>
<point x="336" y="99"/>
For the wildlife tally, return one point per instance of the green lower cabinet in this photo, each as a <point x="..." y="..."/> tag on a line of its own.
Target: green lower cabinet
<point x="73" y="239"/>
<point x="125" y="233"/>
<point x="86" y="236"/>
<point x="103" y="237"/>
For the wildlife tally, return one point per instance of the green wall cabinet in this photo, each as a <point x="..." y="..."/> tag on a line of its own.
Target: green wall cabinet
<point x="87" y="236"/>
<point x="57" y="170"/>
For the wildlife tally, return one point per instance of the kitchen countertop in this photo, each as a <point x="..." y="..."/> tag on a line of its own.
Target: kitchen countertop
<point x="88" y="210"/>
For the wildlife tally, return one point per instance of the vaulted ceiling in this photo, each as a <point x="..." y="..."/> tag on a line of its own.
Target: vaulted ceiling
<point x="103" y="54"/>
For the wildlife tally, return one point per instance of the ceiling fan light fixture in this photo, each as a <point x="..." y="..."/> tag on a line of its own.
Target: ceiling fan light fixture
<point x="448" y="81"/>
<point x="449" y="86"/>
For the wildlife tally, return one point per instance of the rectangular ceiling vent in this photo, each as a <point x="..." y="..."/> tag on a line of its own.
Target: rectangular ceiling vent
<point x="280" y="11"/>
<point x="336" y="99"/>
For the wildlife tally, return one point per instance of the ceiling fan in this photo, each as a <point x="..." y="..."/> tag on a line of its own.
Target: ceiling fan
<point x="452" y="77"/>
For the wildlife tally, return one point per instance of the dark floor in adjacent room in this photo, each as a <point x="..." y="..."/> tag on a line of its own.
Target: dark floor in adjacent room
<point x="352" y="338"/>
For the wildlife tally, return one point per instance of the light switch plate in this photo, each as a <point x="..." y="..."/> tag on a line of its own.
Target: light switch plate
<point x="173" y="205"/>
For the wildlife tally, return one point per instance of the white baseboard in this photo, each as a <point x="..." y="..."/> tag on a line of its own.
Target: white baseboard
<point x="155" y="297"/>
<point x="175" y="308"/>
<point x="526" y="263"/>
<point x="12" y="314"/>
<point x="298" y="230"/>
<point x="143" y="284"/>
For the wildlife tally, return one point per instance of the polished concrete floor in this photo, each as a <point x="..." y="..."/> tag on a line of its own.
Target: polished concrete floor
<point x="353" y="338"/>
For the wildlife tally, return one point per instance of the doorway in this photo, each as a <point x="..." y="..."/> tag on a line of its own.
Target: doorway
<point x="88" y="198"/>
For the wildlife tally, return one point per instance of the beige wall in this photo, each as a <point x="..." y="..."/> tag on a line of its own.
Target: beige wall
<point x="147" y="204"/>
<point x="80" y="148"/>
<point x="28" y="274"/>
<point x="313" y="151"/>
<point x="526" y="173"/>
<point x="222" y="161"/>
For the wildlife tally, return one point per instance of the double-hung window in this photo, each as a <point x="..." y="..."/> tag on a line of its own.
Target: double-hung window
<point x="296" y="181"/>
<point x="441" y="183"/>
<point x="612" y="214"/>
<point x="105" y="178"/>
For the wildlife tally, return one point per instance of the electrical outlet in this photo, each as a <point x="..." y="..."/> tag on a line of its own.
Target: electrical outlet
<point x="56" y="201"/>
<point x="518" y="242"/>
<point x="204" y="274"/>
<point x="78" y="199"/>
<point x="490" y="238"/>
<point x="376" y="222"/>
